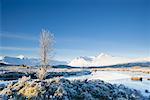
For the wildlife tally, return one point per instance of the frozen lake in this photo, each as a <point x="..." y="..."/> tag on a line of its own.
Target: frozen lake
<point x="115" y="77"/>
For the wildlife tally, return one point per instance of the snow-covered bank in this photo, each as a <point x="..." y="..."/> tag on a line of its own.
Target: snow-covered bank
<point x="119" y="78"/>
<point x="113" y="77"/>
<point x="62" y="89"/>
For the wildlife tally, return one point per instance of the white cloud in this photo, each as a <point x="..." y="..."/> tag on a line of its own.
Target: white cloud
<point x="14" y="36"/>
<point x="18" y="48"/>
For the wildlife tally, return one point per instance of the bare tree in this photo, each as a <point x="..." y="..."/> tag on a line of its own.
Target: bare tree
<point x="46" y="48"/>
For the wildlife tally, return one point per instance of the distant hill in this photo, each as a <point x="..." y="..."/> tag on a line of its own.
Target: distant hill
<point x="6" y="60"/>
<point x="3" y="64"/>
<point x="126" y="65"/>
<point x="62" y="66"/>
<point x="102" y="60"/>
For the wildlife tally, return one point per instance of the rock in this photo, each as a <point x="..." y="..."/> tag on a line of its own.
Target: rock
<point x="148" y="79"/>
<point x="146" y="91"/>
<point x="136" y="78"/>
<point x="6" y="92"/>
<point x="60" y="91"/>
<point x="2" y="86"/>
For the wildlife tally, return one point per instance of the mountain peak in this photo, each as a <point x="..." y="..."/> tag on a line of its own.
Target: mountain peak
<point x="103" y="55"/>
<point x="21" y="56"/>
<point x="84" y="58"/>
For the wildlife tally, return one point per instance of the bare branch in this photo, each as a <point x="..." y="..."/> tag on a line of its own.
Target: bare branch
<point x="46" y="46"/>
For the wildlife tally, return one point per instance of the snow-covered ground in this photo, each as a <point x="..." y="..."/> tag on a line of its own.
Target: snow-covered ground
<point x="114" y="77"/>
<point x="119" y="78"/>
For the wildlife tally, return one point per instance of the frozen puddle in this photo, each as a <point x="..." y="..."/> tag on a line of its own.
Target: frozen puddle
<point x="119" y="78"/>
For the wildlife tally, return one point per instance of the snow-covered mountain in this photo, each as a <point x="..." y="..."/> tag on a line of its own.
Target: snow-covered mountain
<point x="104" y="60"/>
<point x="19" y="60"/>
<point x="81" y="61"/>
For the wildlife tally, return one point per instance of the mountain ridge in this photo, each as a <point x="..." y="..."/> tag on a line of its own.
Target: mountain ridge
<point x="105" y="60"/>
<point x="20" y="60"/>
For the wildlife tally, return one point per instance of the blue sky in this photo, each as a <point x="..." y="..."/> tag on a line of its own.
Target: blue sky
<point x="81" y="27"/>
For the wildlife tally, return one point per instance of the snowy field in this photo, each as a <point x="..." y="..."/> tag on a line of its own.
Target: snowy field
<point x="115" y="77"/>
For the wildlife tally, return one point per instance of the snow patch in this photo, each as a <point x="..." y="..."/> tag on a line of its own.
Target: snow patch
<point x="21" y="56"/>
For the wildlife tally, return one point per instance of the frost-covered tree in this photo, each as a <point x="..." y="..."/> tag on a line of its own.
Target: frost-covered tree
<point x="46" y="48"/>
